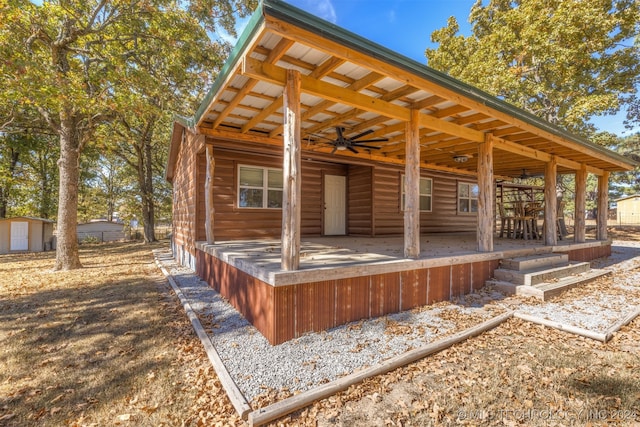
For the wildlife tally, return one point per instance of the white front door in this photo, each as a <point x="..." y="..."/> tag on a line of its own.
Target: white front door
<point x="19" y="236"/>
<point x="335" y="205"/>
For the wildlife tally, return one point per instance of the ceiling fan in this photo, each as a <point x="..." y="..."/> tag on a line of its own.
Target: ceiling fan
<point x="525" y="175"/>
<point x="342" y="142"/>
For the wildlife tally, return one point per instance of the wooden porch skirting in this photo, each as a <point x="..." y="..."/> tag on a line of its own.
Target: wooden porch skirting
<point x="282" y="312"/>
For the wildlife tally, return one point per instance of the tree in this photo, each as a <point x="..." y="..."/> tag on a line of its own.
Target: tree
<point x="65" y="58"/>
<point x="562" y="60"/>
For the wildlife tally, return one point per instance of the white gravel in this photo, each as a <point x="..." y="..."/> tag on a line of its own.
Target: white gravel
<point x="316" y="358"/>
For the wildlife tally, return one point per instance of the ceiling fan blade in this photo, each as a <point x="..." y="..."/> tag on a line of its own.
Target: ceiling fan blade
<point x="334" y="149"/>
<point x="373" y="140"/>
<point x="350" y="148"/>
<point x="321" y="136"/>
<point x="356" y="144"/>
<point x="360" y="135"/>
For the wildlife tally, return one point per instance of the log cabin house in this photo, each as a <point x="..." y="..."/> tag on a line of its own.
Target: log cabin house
<point x="311" y="132"/>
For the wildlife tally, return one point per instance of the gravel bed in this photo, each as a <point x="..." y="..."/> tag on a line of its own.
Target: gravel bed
<point x="315" y="358"/>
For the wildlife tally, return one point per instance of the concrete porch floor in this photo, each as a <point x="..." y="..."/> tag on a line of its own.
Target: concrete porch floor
<point x="331" y="257"/>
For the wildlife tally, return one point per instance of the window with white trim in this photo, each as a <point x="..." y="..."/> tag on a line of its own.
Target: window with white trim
<point x="467" y="197"/>
<point x="426" y="190"/>
<point x="259" y="188"/>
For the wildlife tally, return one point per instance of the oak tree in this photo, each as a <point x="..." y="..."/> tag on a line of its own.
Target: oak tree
<point x="562" y="60"/>
<point x="65" y="59"/>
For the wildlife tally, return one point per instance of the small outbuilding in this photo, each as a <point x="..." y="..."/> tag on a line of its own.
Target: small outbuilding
<point x="25" y="234"/>
<point x="101" y="231"/>
<point x="629" y="210"/>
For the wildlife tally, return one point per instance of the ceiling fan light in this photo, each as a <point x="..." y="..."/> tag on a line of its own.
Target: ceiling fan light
<point x="460" y="159"/>
<point x="341" y="147"/>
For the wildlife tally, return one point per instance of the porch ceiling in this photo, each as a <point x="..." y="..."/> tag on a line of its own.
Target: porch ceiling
<point x="350" y="82"/>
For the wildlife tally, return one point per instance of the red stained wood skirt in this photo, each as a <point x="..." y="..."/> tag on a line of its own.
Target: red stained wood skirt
<point x="282" y="313"/>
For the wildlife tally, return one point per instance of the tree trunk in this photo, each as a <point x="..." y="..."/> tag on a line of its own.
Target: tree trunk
<point x="67" y="257"/>
<point x="145" y="181"/>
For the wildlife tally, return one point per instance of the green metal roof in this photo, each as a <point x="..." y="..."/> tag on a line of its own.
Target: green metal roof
<point x="292" y="15"/>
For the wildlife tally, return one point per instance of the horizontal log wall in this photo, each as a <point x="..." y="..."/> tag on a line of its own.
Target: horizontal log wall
<point x="232" y="223"/>
<point x="374" y="199"/>
<point x="388" y="216"/>
<point x="360" y="206"/>
<point x="184" y="197"/>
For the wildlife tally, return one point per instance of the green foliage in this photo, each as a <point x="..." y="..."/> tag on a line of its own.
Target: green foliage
<point x="563" y="60"/>
<point x="28" y="175"/>
<point x="83" y="64"/>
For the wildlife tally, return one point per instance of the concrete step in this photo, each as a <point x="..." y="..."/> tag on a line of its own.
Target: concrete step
<point x="534" y="262"/>
<point x="547" y="290"/>
<point x="535" y="276"/>
<point x="552" y="289"/>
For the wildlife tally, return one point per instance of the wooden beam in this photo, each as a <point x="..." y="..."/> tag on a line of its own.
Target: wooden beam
<point x="208" y="195"/>
<point x="550" y="203"/>
<point x="333" y="48"/>
<point x="486" y="188"/>
<point x="532" y="153"/>
<point x="603" y="206"/>
<point x="412" y="189"/>
<point x="291" y="174"/>
<point x="263" y="71"/>
<point x="580" y="203"/>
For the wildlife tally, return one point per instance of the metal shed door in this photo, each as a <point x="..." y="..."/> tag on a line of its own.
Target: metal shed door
<point x="335" y="201"/>
<point x="19" y="236"/>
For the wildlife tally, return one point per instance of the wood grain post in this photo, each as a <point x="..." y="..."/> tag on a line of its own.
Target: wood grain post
<point x="486" y="189"/>
<point x="208" y="195"/>
<point x="412" y="188"/>
<point x="603" y="205"/>
<point x="291" y="173"/>
<point x="550" y="202"/>
<point x="579" y="232"/>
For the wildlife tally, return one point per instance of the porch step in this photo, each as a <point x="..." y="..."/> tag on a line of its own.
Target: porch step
<point x="536" y="276"/>
<point x="546" y="290"/>
<point x="535" y="261"/>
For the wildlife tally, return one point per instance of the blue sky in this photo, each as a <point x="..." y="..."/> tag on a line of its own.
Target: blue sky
<point x="405" y="26"/>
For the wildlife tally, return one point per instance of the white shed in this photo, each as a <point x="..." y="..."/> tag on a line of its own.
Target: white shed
<point x="101" y="231"/>
<point x="25" y="234"/>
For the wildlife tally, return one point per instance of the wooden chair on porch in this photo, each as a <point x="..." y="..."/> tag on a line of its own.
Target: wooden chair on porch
<point x="506" y="219"/>
<point x="560" y="223"/>
<point x="533" y="210"/>
<point x="522" y="222"/>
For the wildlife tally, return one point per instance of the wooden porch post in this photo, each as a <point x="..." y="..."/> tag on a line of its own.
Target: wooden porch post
<point x="486" y="189"/>
<point x="603" y="206"/>
<point x="550" y="203"/>
<point x="580" y="202"/>
<point x="208" y="195"/>
<point x="412" y="188"/>
<point x="291" y="173"/>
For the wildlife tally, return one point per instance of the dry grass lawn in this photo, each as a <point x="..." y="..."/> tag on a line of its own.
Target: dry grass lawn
<point x="105" y="345"/>
<point x="110" y="345"/>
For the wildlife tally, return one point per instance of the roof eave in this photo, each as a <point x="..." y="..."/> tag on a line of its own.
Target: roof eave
<point x="253" y="26"/>
<point x="292" y="15"/>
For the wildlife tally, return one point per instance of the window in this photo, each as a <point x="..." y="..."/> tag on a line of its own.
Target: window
<point x="259" y="188"/>
<point x="426" y="185"/>
<point x="467" y="197"/>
